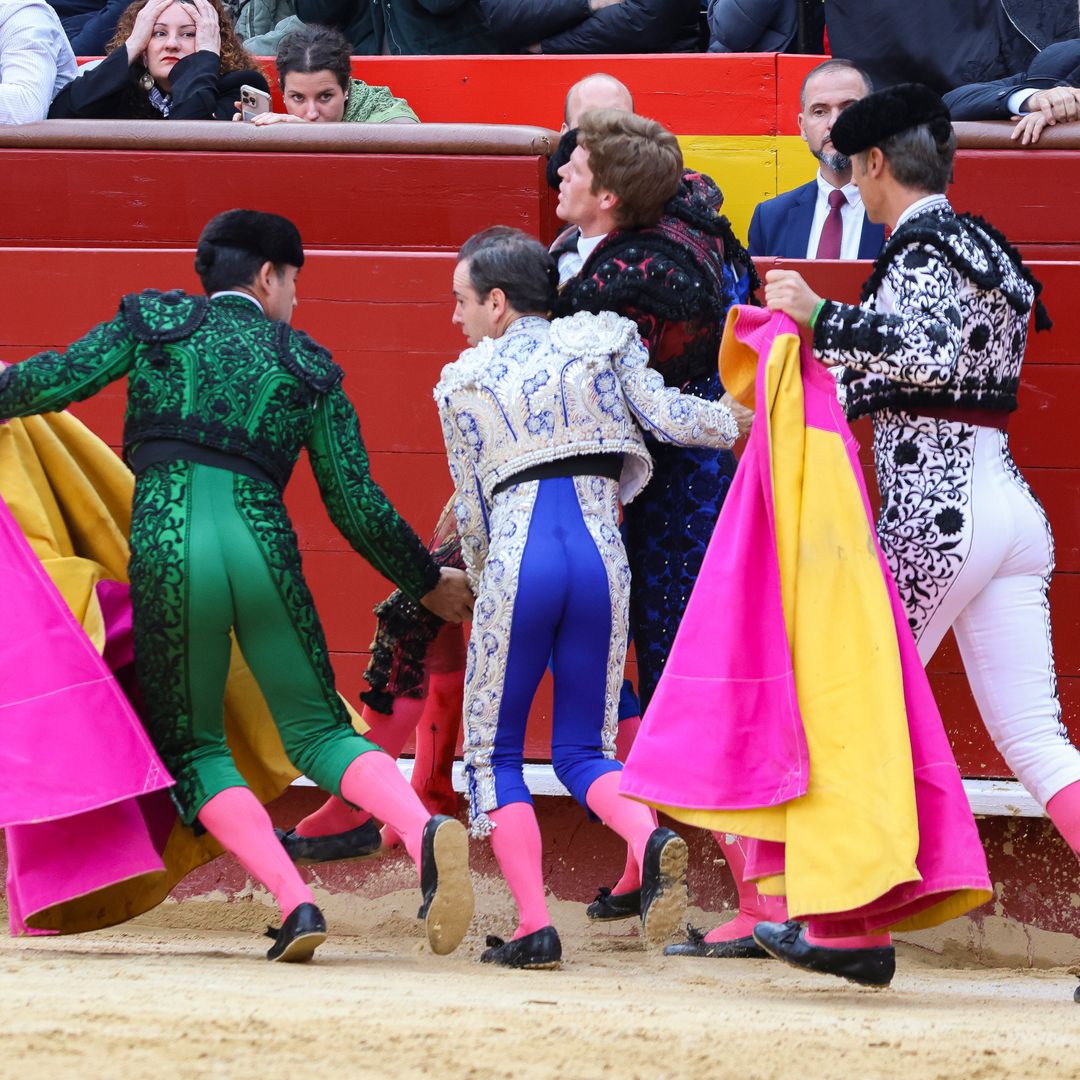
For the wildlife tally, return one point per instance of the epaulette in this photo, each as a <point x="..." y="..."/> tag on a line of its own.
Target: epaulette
<point x="157" y="317"/>
<point x="307" y="359"/>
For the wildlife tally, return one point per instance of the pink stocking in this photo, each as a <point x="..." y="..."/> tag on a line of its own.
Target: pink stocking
<point x="863" y="941"/>
<point x="390" y="733"/>
<point x="1064" y="812"/>
<point x="753" y="907"/>
<point x="633" y="821"/>
<point x="624" y="739"/>
<point x="374" y="782"/>
<point x="240" y="823"/>
<point x="516" y="843"/>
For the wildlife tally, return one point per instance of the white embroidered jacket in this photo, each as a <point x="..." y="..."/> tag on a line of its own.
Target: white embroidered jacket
<point x="546" y="391"/>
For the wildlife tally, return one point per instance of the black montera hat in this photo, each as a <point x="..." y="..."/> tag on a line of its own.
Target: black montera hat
<point x="270" y="236"/>
<point x="878" y="116"/>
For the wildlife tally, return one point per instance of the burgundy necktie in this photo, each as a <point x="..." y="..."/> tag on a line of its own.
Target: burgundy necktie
<point x="832" y="231"/>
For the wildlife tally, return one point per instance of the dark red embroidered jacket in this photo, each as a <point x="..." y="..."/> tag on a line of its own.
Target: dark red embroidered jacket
<point x="671" y="279"/>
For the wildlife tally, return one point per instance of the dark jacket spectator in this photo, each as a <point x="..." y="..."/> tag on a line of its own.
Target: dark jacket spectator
<point x="752" y="25"/>
<point x="195" y="73"/>
<point x="90" y="24"/>
<point x="595" y="26"/>
<point x="946" y="45"/>
<point x="1056" y="65"/>
<point x="407" y="27"/>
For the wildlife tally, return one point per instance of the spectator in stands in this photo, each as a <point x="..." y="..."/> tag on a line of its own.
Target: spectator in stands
<point x="315" y="74"/>
<point x="35" y="61"/>
<point x="594" y="26"/>
<point x="1043" y="96"/>
<point x="599" y="91"/>
<point x="825" y="218"/>
<point x="169" y="59"/>
<point x="89" y="24"/>
<point x="946" y="45"/>
<point x="403" y="27"/>
<point x="752" y="25"/>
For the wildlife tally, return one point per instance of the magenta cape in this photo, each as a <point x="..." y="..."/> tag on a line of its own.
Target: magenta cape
<point x="793" y="707"/>
<point x="73" y="756"/>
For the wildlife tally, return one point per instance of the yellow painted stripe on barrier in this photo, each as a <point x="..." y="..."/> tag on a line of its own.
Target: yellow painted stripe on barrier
<point x="749" y="168"/>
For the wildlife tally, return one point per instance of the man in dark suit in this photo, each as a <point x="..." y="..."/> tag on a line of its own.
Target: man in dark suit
<point x="825" y="218"/>
<point x="1047" y="94"/>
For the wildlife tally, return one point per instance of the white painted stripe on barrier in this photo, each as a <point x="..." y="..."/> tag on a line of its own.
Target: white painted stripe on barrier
<point x="992" y="798"/>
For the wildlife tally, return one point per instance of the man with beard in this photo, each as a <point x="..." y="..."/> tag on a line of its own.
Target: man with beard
<point x="823" y="219"/>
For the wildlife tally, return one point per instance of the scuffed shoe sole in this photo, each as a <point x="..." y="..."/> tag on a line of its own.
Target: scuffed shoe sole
<point x="300" y="949"/>
<point x="451" y="908"/>
<point x="665" y="914"/>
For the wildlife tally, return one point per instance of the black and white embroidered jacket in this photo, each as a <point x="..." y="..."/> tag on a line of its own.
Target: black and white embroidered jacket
<point x="943" y="319"/>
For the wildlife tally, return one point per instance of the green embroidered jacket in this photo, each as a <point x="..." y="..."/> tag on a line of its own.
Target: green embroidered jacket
<point x="220" y="374"/>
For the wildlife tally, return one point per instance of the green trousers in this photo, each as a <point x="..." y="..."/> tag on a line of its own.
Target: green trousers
<point x="212" y="552"/>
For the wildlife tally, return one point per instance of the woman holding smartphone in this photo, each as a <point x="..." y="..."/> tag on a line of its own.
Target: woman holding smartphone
<point x="315" y="72"/>
<point x="169" y="59"/>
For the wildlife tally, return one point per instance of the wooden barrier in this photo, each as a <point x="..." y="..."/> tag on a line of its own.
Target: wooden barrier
<point x="96" y="209"/>
<point x="735" y="115"/>
<point x="386" y="315"/>
<point x="138" y="183"/>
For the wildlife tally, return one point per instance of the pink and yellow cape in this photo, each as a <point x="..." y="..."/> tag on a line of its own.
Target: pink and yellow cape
<point x="92" y="836"/>
<point x="793" y="708"/>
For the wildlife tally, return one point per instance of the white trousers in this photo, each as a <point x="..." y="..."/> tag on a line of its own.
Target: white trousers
<point x="998" y="606"/>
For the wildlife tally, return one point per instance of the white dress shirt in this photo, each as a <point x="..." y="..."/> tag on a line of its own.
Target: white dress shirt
<point x="852" y="214"/>
<point x="36" y="61"/>
<point x="571" y="262"/>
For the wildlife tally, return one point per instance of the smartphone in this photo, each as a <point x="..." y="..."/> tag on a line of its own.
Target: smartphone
<point x="253" y="102"/>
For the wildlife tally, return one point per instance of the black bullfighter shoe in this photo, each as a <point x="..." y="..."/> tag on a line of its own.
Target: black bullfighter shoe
<point x="359" y="843"/>
<point x="611" y="906"/>
<point x="743" y="948"/>
<point x="298" y="936"/>
<point x="663" y="886"/>
<point x="445" y="883"/>
<point x="541" y="949"/>
<point x="787" y="942"/>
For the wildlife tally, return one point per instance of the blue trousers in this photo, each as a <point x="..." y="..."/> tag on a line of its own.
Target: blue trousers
<point x="555" y="586"/>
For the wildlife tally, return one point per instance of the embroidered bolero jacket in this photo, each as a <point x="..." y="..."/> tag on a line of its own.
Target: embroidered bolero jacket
<point x="219" y="374"/>
<point x="943" y="320"/>
<point x="547" y="391"/>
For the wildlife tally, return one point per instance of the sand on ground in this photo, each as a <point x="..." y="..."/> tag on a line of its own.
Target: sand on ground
<point x="185" y="992"/>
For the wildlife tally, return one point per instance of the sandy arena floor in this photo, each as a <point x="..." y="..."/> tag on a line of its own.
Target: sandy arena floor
<point x="185" y="992"/>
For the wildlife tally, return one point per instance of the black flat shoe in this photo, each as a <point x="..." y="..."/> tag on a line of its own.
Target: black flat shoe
<point x="610" y="906"/>
<point x="539" y="950"/>
<point x="299" y="936"/>
<point x="787" y="942"/>
<point x="744" y="948"/>
<point x="663" y="886"/>
<point x="359" y="843"/>
<point x="445" y="882"/>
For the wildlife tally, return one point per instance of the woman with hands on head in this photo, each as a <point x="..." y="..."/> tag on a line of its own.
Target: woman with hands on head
<point x="169" y="59"/>
<point x="314" y="69"/>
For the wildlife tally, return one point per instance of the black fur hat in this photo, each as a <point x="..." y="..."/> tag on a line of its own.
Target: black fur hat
<point x="873" y="119"/>
<point x="270" y="236"/>
<point x="567" y="145"/>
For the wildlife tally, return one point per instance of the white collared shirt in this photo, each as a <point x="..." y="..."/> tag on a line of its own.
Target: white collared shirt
<point x="36" y="61"/>
<point x="571" y="262"/>
<point x="852" y="214"/>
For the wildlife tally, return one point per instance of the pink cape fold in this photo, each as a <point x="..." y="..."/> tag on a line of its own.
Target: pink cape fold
<point x="73" y="755"/>
<point x="720" y="733"/>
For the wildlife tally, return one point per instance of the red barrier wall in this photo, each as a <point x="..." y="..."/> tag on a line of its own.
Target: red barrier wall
<point x="387" y="318"/>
